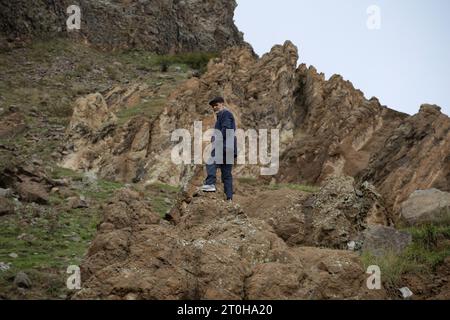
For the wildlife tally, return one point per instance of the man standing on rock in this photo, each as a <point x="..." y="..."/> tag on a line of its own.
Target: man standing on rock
<point x="224" y="149"/>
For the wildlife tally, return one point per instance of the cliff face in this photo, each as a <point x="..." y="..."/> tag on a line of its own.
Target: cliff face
<point x="162" y="26"/>
<point x="416" y="156"/>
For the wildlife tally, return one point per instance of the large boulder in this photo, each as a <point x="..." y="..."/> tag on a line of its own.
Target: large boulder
<point x="340" y="211"/>
<point x="381" y="240"/>
<point x="426" y="206"/>
<point x="97" y="143"/>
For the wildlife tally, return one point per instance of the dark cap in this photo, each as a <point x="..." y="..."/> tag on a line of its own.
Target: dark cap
<point x="216" y="101"/>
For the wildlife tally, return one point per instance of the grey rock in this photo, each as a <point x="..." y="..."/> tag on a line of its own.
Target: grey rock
<point x="354" y="245"/>
<point x="426" y="206"/>
<point x="75" y="239"/>
<point x="22" y="280"/>
<point x="90" y="178"/>
<point x="31" y="191"/>
<point x="338" y="215"/>
<point x="379" y="240"/>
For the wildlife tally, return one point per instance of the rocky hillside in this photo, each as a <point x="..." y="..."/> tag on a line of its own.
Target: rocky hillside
<point x="332" y="137"/>
<point x="86" y="176"/>
<point x="157" y="25"/>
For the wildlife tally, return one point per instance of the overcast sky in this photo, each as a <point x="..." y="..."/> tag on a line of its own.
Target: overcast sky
<point x="405" y="62"/>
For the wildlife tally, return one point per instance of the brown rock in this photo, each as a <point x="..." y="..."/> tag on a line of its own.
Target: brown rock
<point x="31" y="191"/>
<point x="77" y="203"/>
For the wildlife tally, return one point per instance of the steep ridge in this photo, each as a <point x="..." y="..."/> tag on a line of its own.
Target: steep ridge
<point x="415" y="157"/>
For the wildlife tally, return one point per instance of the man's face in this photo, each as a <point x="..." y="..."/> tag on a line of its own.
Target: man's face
<point x="218" y="107"/>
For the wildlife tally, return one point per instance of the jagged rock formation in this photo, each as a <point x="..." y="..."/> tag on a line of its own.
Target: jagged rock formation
<point x="99" y="144"/>
<point x="158" y="25"/>
<point x="367" y="158"/>
<point x="215" y="251"/>
<point x="416" y="156"/>
<point x="327" y="127"/>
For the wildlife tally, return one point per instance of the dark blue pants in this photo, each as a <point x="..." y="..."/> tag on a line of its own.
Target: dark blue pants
<point x="227" y="177"/>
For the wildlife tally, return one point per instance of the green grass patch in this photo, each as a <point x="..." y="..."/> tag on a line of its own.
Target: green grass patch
<point x="150" y="61"/>
<point x="149" y="109"/>
<point x="195" y="60"/>
<point x="102" y="190"/>
<point x="429" y="248"/>
<point x="60" y="173"/>
<point x="162" y="196"/>
<point x="46" y="245"/>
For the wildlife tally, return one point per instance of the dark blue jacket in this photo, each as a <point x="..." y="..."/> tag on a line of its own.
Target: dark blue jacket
<point x="225" y="120"/>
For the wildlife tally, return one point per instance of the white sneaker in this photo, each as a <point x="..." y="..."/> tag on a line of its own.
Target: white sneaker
<point x="208" y="188"/>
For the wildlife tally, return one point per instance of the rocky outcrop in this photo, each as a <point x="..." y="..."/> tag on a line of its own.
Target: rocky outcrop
<point x="416" y="156"/>
<point x="215" y="251"/>
<point x="425" y="206"/>
<point x="99" y="144"/>
<point x="156" y="25"/>
<point x="330" y="218"/>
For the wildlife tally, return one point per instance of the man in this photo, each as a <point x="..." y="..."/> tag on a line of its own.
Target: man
<point x="224" y="151"/>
